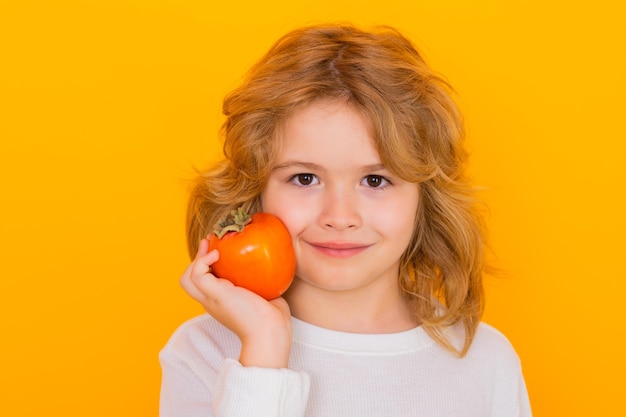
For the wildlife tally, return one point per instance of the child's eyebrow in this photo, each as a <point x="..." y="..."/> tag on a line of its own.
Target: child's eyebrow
<point x="374" y="167"/>
<point x="315" y="167"/>
<point x="298" y="164"/>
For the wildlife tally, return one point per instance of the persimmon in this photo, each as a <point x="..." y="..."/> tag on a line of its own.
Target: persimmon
<point x="256" y="253"/>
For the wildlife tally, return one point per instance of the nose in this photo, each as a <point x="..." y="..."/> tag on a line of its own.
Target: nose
<point x="340" y="210"/>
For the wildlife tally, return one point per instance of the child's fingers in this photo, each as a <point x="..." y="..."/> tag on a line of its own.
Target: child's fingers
<point x="200" y="267"/>
<point x="213" y="290"/>
<point x="203" y="248"/>
<point x="188" y="285"/>
<point x="202" y="264"/>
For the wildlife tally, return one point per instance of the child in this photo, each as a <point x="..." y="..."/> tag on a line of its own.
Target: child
<point x="356" y="145"/>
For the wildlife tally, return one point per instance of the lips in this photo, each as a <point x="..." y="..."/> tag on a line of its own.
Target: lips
<point x="339" y="249"/>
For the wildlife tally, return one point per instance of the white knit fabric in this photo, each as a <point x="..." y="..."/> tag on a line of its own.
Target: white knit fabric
<point x="336" y="374"/>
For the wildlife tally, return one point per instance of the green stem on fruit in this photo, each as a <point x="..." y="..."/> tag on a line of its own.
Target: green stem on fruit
<point x="235" y="221"/>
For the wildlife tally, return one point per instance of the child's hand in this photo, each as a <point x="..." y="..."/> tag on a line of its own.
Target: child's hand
<point x="264" y="327"/>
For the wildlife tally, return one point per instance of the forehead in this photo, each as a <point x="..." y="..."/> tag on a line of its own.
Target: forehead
<point x="327" y="128"/>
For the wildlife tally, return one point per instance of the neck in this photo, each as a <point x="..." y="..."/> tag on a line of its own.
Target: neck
<point x="364" y="311"/>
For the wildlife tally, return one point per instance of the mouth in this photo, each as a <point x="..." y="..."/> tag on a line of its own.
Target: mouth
<point x="339" y="249"/>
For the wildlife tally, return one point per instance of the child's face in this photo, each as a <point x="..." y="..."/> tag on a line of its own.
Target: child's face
<point x="350" y="218"/>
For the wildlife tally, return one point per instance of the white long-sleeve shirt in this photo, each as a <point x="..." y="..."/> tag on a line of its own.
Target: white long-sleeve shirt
<point x="337" y="374"/>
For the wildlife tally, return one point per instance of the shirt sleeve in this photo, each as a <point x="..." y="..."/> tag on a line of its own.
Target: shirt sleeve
<point x="183" y="392"/>
<point x="524" y="408"/>
<point x="262" y="392"/>
<point x="199" y="381"/>
<point x="510" y="394"/>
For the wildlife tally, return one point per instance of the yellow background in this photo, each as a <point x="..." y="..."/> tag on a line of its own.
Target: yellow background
<point x="106" y="107"/>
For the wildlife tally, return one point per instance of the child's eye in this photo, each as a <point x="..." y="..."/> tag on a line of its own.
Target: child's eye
<point x="304" y="179"/>
<point x="375" y="181"/>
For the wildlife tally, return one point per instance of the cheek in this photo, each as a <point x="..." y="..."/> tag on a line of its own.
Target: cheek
<point x="402" y="223"/>
<point x="398" y="229"/>
<point x="270" y="198"/>
<point x="286" y="210"/>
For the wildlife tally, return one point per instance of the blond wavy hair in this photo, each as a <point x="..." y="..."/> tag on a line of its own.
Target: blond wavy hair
<point x="417" y="130"/>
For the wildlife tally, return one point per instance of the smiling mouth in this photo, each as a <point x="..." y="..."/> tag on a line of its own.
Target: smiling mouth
<point x="339" y="249"/>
